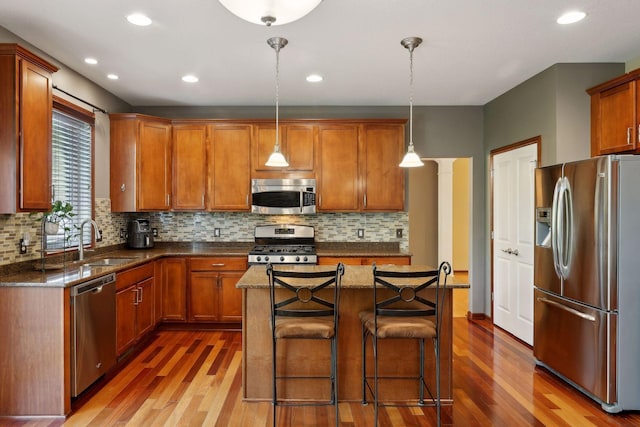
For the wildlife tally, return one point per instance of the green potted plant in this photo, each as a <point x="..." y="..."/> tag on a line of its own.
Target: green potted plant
<point x="59" y="213"/>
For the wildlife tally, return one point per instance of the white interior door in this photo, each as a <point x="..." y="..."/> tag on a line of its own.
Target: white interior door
<point x="513" y="210"/>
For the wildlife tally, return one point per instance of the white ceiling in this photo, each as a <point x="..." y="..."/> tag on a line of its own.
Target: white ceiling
<point x="473" y="50"/>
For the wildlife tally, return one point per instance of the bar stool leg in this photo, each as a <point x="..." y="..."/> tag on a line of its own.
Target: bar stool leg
<point x="375" y="379"/>
<point x="273" y="367"/>
<point x="364" y="365"/>
<point x="436" y="346"/>
<point x="421" y="385"/>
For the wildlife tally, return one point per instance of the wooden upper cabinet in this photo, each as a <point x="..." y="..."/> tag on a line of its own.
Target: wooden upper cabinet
<point x="26" y="101"/>
<point x="337" y="168"/>
<point x="189" y="167"/>
<point x="229" y="167"/>
<point x="297" y="144"/>
<point x="383" y="179"/>
<point x="140" y="154"/>
<point x="615" y="115"/>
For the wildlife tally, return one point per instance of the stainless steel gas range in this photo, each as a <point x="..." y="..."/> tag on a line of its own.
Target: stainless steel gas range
<point x="284" y="244"/>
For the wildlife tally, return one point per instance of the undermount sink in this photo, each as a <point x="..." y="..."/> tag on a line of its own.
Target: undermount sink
<point x="109" y="261"/>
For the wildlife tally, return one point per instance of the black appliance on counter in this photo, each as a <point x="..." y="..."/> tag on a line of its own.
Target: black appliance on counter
<point x="283" y="244"/>
<point x="139" y="234"/>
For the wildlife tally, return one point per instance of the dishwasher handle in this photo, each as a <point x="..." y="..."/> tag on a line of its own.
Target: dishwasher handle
<point x="94" y="285"/>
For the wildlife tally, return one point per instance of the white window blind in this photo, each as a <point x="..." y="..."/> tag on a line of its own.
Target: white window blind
<point x="72" y="143"/>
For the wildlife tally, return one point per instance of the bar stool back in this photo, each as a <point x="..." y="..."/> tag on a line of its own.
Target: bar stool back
<point x="300" y="309"/>
<point x="402" y="310"/>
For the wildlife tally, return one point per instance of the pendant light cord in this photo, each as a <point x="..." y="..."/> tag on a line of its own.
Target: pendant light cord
<point x="277" y="95"/>
<point x="411" y="96"/>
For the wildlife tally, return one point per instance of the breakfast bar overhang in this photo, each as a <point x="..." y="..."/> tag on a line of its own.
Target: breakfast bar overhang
<point x="308" y="357"/>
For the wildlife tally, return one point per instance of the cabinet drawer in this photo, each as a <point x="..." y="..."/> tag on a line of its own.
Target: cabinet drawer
<point x="134" y="275"/>
<point x="218" y="264"/>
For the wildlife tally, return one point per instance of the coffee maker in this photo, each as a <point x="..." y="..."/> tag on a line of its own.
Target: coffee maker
<point x="139" y="234"/>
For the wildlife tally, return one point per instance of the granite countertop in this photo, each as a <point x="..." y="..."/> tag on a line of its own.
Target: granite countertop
<point x="355" y="276"/>
<point x="71" y="273"/>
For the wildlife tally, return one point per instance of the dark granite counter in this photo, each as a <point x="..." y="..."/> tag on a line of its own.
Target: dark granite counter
<point x="70" y="273"/>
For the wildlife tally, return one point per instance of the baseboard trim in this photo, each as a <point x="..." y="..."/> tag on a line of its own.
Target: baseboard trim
<point x="476" y="316"/>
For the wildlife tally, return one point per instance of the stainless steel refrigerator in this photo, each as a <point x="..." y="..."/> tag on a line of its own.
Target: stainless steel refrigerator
<point x="587" y="277"/>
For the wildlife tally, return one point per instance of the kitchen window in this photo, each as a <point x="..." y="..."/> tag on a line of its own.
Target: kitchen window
<point x="72" y="169"/>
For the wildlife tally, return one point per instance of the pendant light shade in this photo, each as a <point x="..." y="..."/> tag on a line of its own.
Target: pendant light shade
<point x="270" y="12"/>
<point x="411" y="159"/>
<point x="276" y="159"/>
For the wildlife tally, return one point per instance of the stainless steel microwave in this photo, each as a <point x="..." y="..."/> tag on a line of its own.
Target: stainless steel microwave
<point x="283" y="196"/>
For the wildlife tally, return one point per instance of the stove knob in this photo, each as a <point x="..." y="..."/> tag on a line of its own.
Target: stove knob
<point x="281" y="259"/>
<point x="266" y="258"/>
<point x="305" y="259"/>
<point x="259" y="258"/>
<point x="297" y="258"/>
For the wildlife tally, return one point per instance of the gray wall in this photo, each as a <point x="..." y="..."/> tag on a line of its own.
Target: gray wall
<point x="72" y="82"/>
<point x="552" y="104"/>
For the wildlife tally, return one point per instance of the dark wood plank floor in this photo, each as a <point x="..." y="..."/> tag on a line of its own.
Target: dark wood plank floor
<point x="194" y="379"/>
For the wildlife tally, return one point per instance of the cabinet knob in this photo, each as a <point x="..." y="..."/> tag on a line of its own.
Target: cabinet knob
<point x="123" y="187"/>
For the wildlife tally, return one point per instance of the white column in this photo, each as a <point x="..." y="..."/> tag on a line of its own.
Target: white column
<point x="445" y="210"/>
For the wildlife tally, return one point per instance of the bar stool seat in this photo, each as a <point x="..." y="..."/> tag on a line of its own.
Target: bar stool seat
<point x="399" y="326"/>
<point x="312" y="327"/>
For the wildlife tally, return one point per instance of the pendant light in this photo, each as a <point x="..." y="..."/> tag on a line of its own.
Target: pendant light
<point x="270" y="12"/>
<point x="411" y="159"/>
<point x="276" y="159"/>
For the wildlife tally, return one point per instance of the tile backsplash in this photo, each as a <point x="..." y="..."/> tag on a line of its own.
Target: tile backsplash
<point x="199" y="227"/>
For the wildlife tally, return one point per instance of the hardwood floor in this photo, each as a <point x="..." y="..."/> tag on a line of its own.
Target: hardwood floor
<point x="194" y="379"/>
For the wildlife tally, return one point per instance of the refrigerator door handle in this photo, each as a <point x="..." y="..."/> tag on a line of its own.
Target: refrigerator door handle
<point x="569" y="309"/>
<point x="566" y="238"/>
<point x="555" y="226"/>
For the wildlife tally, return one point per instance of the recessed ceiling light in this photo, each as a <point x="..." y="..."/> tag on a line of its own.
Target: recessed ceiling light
<point x="571" y="17"/>
<point x="314" y="78"/>
<point x="113" y="76"/>
<point x="91" y="61"/>
<point x="189" y="78"/>
<point x="139" y="19"/>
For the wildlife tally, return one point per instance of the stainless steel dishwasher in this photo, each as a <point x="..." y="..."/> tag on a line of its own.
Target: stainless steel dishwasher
<point x="93" y="331"/>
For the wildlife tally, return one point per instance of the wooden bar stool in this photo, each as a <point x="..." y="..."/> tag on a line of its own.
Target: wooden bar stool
<point x="300" y="309"/>
<point x="403" y="311"/>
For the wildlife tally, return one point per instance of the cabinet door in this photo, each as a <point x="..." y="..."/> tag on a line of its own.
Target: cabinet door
<point x="330" y="260"/>
<point x="174" y="289"/>
<point x="229" y="166"/>
<point x="35" y="140"/>
<point x="299" y="146"/>
<point x="230" y="297"/>
<point x="617" y="131"/>
<point x="126" y="300"/>
<point x="203" y="296"/>
<point x="382" y="260"/>
<point x="189" y="166"/>
<point x="337" y="170"/>
<point x="264" y="138"/>
<point x="146" y="306"/>
<point x="154" y="166"/>
<point x="383" y="183"/>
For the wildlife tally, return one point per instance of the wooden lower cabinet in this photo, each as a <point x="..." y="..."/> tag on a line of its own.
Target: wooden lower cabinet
<point x="379" y="260"/>
<point x="135" y="305"/>
<point x="173" y="273"/>
<point x="213" y="296"/>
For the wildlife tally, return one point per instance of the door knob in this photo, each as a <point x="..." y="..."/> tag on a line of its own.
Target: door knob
<point x="508" y="251"/>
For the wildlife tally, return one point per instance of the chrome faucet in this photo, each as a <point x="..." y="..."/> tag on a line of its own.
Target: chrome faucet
<point x="81" y="244"/>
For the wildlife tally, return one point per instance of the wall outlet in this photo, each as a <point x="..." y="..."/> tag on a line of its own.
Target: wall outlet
<point x="399" y="233"/>
<point x="360" y="233"/>
<point x="155" y="232"/>
<point x="216" y="232"/>
<point x="123" y="233"/>
<point x="99" y="239"/>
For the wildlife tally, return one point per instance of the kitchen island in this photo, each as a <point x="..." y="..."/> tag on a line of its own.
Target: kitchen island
<point x="311" y="356"/>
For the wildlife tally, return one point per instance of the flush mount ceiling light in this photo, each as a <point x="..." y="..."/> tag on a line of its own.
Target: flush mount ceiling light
<point x="139" y="19"/>
<point x="571" y="17"/>
<point x="91" y="61"/>
<point x="276" y="159"/>
<point x="314" y="78"/>
<point x="189" y="78"/>
<point x="411" y="159"/>
<point x="270" y="12"/>
<point x="112" y="76"/>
